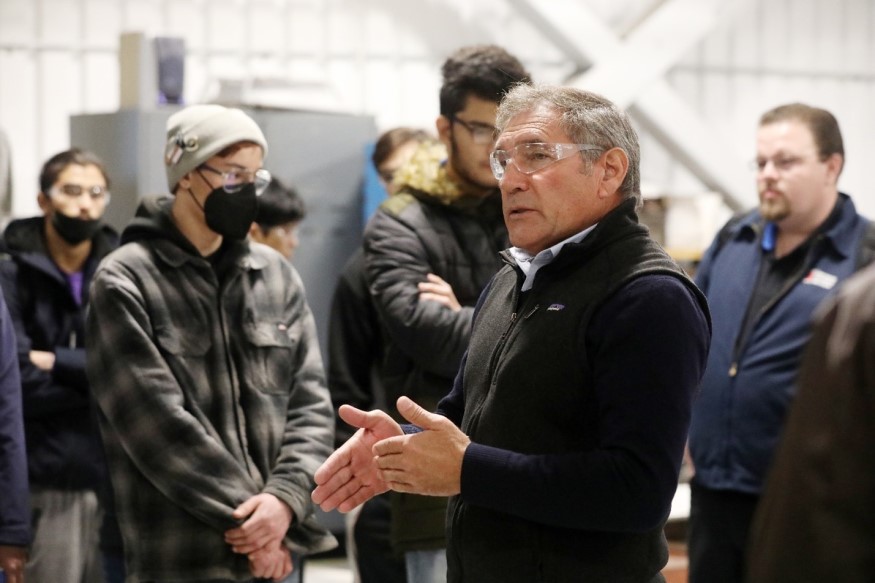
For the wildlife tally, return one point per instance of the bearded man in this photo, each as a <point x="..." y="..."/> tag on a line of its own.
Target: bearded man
<point x="764" y="275"/>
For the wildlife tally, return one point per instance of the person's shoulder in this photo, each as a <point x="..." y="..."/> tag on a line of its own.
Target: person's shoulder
<point x="397" y="204"/>
<point x="656" y="286"/>
<point x="662" y="291"/>
<point x="261" y="253"/>
<point x="402" y="212"/>
<point x="270" y="260"/>
<point x="740" y="222"/>
<point x="127" y="257"/>
<point x="658" y="299"/>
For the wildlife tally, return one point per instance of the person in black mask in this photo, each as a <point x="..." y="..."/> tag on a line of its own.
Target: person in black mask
<point x="45" y="279"/>
<point x="207" y="373"/>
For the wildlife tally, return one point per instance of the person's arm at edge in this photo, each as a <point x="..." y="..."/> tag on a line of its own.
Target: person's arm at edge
<point x="15" y="532"/>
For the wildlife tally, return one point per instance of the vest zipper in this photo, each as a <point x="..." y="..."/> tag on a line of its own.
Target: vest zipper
<point x="499" y="347"/>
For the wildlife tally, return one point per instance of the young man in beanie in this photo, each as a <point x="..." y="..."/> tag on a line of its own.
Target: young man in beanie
<point x="207" y="372"/>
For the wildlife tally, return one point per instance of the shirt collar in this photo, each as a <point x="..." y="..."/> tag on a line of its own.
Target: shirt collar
<point x="530" y="264"/>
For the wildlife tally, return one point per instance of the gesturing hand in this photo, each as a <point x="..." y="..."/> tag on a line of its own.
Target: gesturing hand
<point x="429" y="462"/>
<point x="349" y="476"/>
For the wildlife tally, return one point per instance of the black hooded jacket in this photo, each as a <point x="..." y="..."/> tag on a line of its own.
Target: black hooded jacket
<point x="63" y="450"/>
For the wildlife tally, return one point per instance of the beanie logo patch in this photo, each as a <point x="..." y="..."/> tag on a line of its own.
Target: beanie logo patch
<point x="178" y="145"/>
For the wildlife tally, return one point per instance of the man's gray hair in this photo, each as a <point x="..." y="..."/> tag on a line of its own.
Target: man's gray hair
<point x="587" y="118"/>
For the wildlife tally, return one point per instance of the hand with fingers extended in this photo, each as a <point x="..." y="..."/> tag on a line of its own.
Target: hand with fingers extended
<point x="271" y="562"/>
<point x="429" y="462"/>
<point x="266" y="522"/>
<point x="349" y="476"/>
<point x="438" y="290"/>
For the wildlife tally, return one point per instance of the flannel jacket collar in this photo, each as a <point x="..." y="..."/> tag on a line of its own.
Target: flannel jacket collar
<point x="174" y="255"/>
<point x="153" y="221"/>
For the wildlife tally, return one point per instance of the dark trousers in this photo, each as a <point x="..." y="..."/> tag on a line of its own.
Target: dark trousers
<point x="718" y="533"/>
<point x="375" y="559"/>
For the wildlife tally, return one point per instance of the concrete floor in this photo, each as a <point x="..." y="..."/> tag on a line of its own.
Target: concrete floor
<point x="336" y="570"/>
<point x="327" y="570"/>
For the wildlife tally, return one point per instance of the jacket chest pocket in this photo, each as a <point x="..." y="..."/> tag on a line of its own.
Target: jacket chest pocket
<point x="185" y="349"/>
<point x="182" y="342"/>
<point x="270" y="358"/>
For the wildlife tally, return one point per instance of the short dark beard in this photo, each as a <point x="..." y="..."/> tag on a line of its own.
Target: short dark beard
<point x="775" y="212"/>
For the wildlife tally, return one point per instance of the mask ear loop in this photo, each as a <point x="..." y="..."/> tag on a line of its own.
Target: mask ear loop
<point x="196" y="201"/>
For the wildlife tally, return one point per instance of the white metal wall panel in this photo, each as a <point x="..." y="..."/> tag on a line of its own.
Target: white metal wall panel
<point x="815" y="51"/>
<point x="381" y="57"/>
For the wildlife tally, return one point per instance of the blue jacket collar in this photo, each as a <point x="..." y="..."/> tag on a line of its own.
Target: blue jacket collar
<point x="842" y="239"/>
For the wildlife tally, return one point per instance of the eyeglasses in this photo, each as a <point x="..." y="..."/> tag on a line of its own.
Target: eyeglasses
<point x="781" y="163"/>
<point x="97" y="193"/>
<point x="530" y="157"/>
<point x="234" y="180"/>
<point x="481" y="133"/>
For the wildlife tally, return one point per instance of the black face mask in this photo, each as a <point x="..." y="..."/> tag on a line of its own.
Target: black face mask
<point x="230" y="214"/>
<point x="73" y="229"/>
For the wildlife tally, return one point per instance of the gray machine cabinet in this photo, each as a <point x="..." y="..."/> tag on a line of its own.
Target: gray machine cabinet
<point x="321" y="154"/>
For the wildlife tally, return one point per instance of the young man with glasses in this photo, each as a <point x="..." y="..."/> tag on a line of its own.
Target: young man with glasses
<point x="46" y="282"/>
<point x="429" y="251"/>
<point x="562" y="438"/>
<point x="764" y="275"/>
<point x="207" y="373"/>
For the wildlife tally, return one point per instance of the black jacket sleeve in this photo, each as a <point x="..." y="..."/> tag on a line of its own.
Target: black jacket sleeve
<point x="354" y="346"/>
<point x="14" y="506"/>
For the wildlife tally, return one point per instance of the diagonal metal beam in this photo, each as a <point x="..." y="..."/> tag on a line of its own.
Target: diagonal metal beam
<point x="631" y="72"/>
<point x="666" y="35"/>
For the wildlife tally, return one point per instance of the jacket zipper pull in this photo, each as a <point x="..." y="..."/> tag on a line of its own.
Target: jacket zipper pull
<point x="73" y="339"/>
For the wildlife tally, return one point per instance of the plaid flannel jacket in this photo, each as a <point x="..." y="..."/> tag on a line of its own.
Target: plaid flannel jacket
<point x="210" y="390"/>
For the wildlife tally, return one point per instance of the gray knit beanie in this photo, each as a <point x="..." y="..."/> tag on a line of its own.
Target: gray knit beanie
<point x="199" y="132"/>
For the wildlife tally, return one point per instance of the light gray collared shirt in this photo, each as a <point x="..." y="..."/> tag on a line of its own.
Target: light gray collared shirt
<point x="530" y="265"/>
